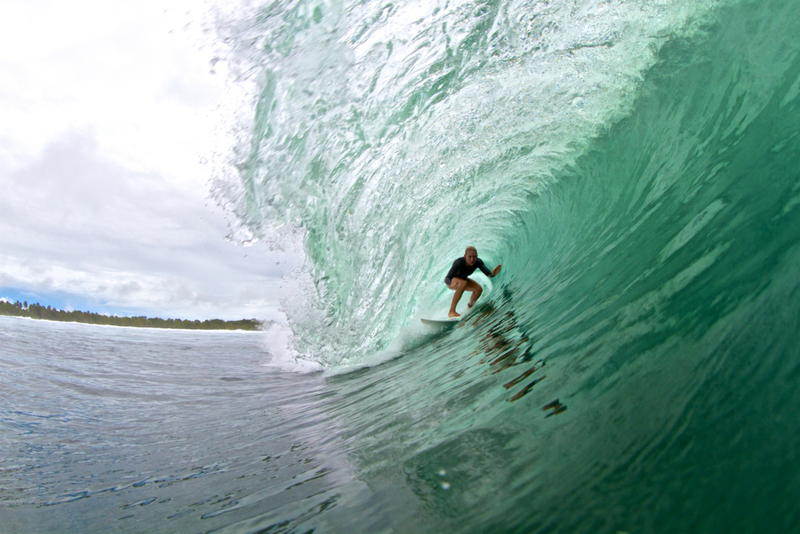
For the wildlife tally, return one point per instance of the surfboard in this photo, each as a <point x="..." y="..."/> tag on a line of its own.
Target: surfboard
<point x="438" y="322"/>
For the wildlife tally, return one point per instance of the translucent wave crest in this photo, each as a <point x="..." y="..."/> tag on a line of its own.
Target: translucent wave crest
<point x="396" y="134"/>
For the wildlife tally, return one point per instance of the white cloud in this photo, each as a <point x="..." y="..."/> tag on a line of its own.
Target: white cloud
<point x="106" y="111"/>
<point x="129" y="71"/>
<point x="73" y="222"/>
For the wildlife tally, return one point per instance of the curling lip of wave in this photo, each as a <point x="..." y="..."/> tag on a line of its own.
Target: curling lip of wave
<point x="396" y="133"/>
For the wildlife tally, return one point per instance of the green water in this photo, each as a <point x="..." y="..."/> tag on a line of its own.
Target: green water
<point x="635" y="170"/>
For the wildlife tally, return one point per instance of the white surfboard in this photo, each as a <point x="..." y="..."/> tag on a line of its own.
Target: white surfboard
<point x="438" y="322"/>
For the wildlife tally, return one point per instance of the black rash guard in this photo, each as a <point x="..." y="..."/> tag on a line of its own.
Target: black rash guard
<point x="460" y="269"/>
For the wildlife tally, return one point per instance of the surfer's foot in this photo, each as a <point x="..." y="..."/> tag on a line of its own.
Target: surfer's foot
<point x="453" y="314"/>
<point x="470" y="304"/>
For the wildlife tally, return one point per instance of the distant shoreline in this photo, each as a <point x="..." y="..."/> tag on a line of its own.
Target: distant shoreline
<point x="46" y="313"/>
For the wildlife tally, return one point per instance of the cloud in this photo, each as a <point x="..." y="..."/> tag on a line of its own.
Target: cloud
<point x="105" y="110"/>
<point x="130" y="71"/>
<point x="75" y="222"/>
<point x="127" y="288"/>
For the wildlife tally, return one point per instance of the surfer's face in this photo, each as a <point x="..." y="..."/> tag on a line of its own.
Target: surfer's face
<point x="471" y="257"/>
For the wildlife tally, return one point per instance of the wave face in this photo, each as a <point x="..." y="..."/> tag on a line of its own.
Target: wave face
<point x="635" y="168"/>
<point x="397" y="134"/>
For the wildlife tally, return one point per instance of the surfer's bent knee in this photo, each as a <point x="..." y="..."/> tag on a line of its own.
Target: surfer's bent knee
<point x="455" y="283"/>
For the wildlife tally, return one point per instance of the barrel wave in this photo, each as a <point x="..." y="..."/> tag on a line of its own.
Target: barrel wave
<point x="635" y="168"/>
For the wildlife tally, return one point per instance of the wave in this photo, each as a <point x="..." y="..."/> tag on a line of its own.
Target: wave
<point x="599" y="151"/>
<point x="396" y="134"/>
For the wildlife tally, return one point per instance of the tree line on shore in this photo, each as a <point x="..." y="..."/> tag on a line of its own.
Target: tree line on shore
<point x="37" y="311"/>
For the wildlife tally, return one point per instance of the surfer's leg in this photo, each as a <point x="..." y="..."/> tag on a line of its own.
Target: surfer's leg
<point x="476" y="290"/>
<point x="458" y="285"/>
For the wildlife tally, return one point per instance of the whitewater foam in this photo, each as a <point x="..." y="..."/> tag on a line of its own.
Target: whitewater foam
<point x="396" y="134"/>
<point x="280" y="346"/>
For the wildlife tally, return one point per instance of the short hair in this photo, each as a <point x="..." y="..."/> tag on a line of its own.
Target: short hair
<point x="473" y="249"/>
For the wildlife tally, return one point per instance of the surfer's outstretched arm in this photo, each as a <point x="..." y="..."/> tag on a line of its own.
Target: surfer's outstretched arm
<point x="485" y="270"/>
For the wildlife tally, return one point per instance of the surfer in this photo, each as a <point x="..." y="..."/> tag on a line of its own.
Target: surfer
<point x="457" y="280"/>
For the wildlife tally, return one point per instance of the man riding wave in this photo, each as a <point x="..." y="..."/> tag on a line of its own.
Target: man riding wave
<point x="457" y="278"/>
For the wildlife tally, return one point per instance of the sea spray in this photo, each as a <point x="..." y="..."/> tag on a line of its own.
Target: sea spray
<point x="396" y="134"/>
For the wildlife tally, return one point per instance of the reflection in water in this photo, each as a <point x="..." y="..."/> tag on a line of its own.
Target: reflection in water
<point x="505" y="344"/>
<point x="556" y="406"/>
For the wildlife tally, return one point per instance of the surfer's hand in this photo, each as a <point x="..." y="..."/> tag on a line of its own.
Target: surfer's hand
<point x="496" y="270"/>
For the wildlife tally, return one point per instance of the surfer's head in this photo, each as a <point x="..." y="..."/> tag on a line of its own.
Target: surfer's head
<point x="471" y="254"/>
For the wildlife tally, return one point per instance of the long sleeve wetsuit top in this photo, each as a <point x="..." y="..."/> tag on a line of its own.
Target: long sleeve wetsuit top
<point x="460" y="269"/>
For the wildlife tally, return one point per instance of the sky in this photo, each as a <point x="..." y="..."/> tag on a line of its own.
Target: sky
<point x="113" y="117"/>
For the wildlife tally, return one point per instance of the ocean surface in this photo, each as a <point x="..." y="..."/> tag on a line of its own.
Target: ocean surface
<point x="634" y="368"/>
